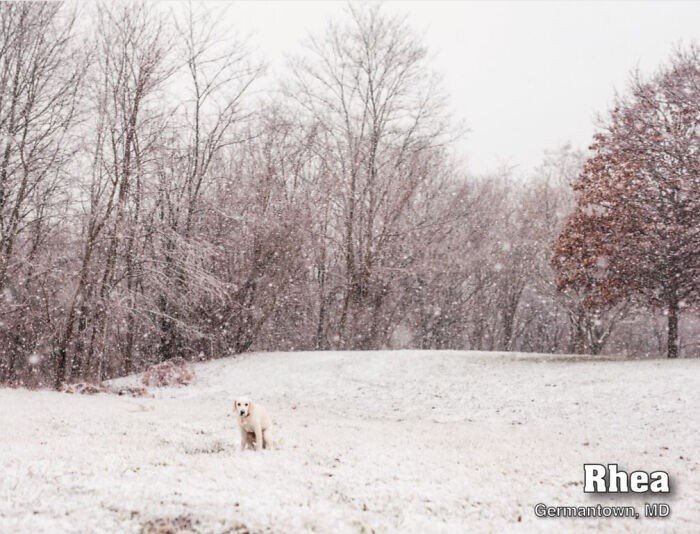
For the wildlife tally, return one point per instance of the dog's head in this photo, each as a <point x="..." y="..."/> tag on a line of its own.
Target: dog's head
<point x="242" y="406"/>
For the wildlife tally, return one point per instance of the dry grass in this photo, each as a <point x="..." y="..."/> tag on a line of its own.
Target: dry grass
<point x="175" y="372"/>
<point x="170" y="525"/>
<point x="87" y="388"/>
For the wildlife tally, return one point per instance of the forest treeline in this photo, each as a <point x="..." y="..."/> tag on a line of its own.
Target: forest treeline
<point x="161" y="197"/>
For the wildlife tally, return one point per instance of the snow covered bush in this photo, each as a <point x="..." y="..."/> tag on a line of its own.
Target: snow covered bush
<point x="175" y="372"/>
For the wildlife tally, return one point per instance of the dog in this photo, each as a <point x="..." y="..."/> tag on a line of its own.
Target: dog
<point x="254" y="424"/>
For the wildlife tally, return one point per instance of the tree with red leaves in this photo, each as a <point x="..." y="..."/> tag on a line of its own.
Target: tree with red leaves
<point x="635" y="231"/>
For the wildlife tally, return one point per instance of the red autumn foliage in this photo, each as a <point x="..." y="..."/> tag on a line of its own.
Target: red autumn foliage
<point x="635" y="232"/>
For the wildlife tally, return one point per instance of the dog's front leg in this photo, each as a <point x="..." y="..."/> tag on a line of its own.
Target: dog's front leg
<point x="258" y="438"/>
<point x="244" y="439"/>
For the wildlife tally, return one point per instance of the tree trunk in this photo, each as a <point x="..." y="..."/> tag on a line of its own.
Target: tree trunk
<point x="60" y="372"/>
<point x="673" y="329"/>
<point x="577" y="341"/>
<point x="320" y="327"/>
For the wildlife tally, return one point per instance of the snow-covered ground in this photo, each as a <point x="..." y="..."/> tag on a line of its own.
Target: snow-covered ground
<point x="376" y="441"/>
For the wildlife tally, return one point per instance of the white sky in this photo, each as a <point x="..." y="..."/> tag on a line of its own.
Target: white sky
<point x="525" y="76"/>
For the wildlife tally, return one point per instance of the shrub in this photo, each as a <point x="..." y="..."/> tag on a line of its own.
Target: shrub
<point x="175" y="372"/>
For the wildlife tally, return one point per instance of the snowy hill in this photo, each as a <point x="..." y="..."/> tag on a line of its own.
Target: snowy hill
<point x="387" y="441"/>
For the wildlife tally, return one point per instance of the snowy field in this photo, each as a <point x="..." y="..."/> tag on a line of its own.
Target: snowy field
<point x="382" y="441"/>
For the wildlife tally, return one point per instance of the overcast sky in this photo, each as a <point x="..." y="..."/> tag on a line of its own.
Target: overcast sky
<point x="525" y="76"/>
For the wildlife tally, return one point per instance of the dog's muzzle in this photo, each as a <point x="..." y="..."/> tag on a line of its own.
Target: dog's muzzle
<point x="242" y="413"/>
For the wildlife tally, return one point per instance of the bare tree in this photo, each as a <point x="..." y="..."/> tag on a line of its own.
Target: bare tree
<point x="129" y="69"/>
<point x="217" y="72"/>
<point x="383" y="119"/>
<point x="40" y="71"/>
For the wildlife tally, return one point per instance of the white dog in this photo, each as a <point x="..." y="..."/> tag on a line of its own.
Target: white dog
<point x="254" y="424"/>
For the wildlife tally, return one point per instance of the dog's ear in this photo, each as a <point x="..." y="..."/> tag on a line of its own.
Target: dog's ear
<point x="250" y="407"/>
